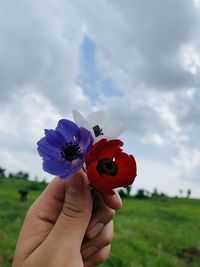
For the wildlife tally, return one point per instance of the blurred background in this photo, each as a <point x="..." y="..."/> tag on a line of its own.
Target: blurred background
<point x="137" y="60"/>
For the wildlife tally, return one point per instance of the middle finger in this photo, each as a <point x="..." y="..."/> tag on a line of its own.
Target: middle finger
<point x="101" y="215"/>
<point x="103" y="239"/>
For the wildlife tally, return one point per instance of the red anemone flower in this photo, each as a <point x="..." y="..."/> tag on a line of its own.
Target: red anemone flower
<point x="108" y="167"/>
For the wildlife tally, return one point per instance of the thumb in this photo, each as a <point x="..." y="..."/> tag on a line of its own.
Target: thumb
<point x="72" y="222"/>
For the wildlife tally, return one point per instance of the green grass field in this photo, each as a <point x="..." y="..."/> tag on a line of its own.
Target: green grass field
<point x="148" y="233"/>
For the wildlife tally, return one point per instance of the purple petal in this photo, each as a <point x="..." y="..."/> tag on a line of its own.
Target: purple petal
<point x="46" y="151"/>
<point x="86" y="140"/>
<point x="57" y="167"/>
<point x="75" y="166"/>
<point x="54" y="138"/>
<point x="69" y="130"/>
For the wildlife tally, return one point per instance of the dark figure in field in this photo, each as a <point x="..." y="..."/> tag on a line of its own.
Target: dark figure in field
<point x="23" y="194"/>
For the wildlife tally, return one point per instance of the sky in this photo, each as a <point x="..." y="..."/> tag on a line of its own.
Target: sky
<point x="137" y="60"/>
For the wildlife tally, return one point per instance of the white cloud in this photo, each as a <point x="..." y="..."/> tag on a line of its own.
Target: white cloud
<point x="152" y="60"/>
<point x="196" y="3"/>
<point x="40" y="49"/>
<point x="26" y="117"/>
<point x="155" y="174"/>
<point x="187" y="163"/>
<point x="190" y="58"/>
<point x="153" y="138"/>
<point x="146" y="53"/>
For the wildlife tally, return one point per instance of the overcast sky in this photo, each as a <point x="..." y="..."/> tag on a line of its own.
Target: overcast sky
<point x="138" y="60"/>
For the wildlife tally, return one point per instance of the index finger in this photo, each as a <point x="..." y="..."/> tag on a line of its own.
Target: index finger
<point x="113" y="201"/>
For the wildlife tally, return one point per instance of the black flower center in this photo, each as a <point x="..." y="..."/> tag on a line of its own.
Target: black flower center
<point x="70" y="151"/>
<point x="107" y="166"/>
<point x="97" y="130"/>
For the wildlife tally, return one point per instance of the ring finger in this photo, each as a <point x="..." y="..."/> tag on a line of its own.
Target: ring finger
<point x="103" y="239"/>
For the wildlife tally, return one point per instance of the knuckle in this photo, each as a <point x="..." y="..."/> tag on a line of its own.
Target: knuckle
<point x="107" y="235"/>
<point x="107" y="241"/>
<point x="72" y="209"/>
<point x="102" y="255"/>
<point x="111" y="214"/>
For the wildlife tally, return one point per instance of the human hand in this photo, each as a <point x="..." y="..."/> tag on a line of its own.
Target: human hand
<point x="65" y="227"/>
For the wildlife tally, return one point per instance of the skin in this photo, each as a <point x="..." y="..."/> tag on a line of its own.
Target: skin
<point x="67" y="226"/>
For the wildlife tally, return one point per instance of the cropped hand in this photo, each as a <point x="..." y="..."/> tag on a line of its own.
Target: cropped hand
<point x="67" y="226"/>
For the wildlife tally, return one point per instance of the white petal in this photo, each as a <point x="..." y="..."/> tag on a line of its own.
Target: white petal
<point x="97" y="118"/>
<point x="110" y="130"/>
<point x="115" y="129"/>
<point x="80" y="120"/>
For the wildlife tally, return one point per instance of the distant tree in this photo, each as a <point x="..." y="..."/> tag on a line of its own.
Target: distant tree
<point x="22" y="175"/>
<point x="141" y="193"/>
<point x="44" y="182"/>
<point x="155" y="193"/>
<point x="163" y="197"/>
<point x="11" y="175"/>
<point x="128" y="189"/>
<point x="188" y="193"/>
<point x="2" y="173"/>
<point x="125" y="192"/>
<point x="122" y="193"/>
<point x="147" y="193"/>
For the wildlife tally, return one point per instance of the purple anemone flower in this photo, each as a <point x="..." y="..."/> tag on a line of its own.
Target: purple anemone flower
<point x="63" y="150"/>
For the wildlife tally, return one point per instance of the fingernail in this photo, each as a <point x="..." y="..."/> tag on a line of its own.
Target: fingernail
<point x="76" y="184"/>
<point x="92" y="232"/>
<point x="88" y="251"/>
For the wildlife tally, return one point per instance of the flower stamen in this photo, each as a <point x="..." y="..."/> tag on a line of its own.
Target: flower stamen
<point x="70" y="151"/>
<point x="107" y="166"/>
<point x="97" y="130"/>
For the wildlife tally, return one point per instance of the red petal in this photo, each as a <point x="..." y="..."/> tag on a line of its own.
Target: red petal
<point x="112" y="181"/>
<point x="130" y="169"/>
<point x="129" y="172"/>
<point x="126" y="166"/>
<point x="126" y="172"/>
<point x="97" y="180"/>
<point x="111" y="148"/>
<point x="121" y="159"/>
<point x="95" y="151"/>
